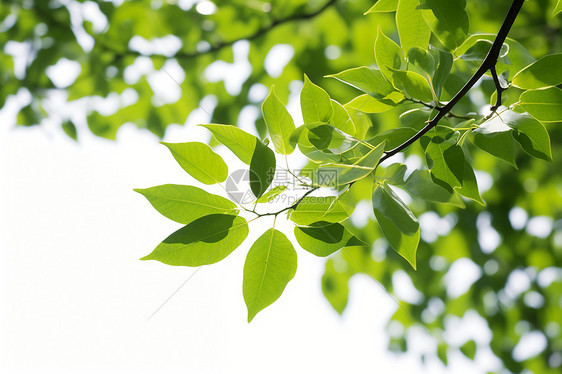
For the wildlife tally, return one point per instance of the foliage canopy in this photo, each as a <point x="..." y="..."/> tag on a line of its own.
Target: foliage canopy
<point x="447" y="102"/>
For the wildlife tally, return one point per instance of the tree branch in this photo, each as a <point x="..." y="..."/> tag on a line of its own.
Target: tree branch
<point x="217" y="47"/>
<point x="489" y="63"/>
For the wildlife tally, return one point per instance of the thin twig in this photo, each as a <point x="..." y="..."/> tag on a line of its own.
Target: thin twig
<point x="220" y="45"/>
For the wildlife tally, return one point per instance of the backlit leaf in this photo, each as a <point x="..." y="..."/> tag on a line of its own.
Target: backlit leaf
<point x="324" y="238"/>
<point x="368" y="104"/>
<point x="447" y="19"/>
<point x="446" y="162"/>
<point x="205" y="241"/>
<point x="335" y="287"/>
<point x="341" y="119"/>
<point x="185" y="204"/>
<point x="369" y="80"/>
<point x="333" y="174"/>
<point x="315" y="103"/>
<point x="238" y="141"/>
<point x="545" y="104"/>
<point x="199" y="161"/>
<point x="397" y="223"/>
<point x="270" y="264"/>
<point x="383" y="6"/>
<point x="412" y="28"/>
<point x="530" y="133"/>
<point x="469" y="188"/>
<point x="280" y="124"/>
<point x="320" y="208"/>
<point x="262" y="169"/>
<point x="558" y="8"/>
<point x="413" y="84"/>
<point x="544" y="72"/>
<point x="495" y="137"/>
<point x="388" y="55"/>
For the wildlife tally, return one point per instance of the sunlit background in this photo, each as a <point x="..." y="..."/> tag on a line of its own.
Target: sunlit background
<point x="77" y="299"/>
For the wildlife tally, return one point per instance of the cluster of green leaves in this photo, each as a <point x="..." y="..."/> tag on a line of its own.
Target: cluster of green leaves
<point x="340" y="27"/>
<point x="336" y="140"/>
<point x="203" y="39"/>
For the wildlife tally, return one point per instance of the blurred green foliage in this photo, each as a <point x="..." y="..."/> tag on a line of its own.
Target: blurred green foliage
<point x="328" y="37"/>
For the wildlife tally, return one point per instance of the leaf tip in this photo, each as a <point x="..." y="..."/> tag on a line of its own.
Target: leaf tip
<point x="251" y="315"/>
<point x="413" y="264"/>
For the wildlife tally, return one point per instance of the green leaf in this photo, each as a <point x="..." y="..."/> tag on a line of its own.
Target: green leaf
<point x="328" y="138"/>
<point x="270" y="264"/>
<point x="530" y="133"/>
<point x="422" y="59"/>
<point x="320" y="208"/>
<point x="324" y="238"/>
<point x="238" y="141"/>
<point x="444" y="65"/>
<point x="383" y="6"/>
<point x="388" y="55"/>
<point x="397" y="223"/>
<point x="393" y="137"/>
<point x="447" y="19"/>
<point x="442" y="353"/>
<point x="519" y="56"/>
<point x="262" y="169"/>
<point x="481" y="48"/>
<point x="416" y="118"/>
<point x="420" y="184"/>
<point x="184" y="204"/>
<point x="392" y="174"/>
<point x="279" y="123"/>
<point x="494" y="137"/>
<point x="558" y="8"/>
<point x="333" y="174"/>
<point x="205" y="241"/>
<point x="369" y="80"/>
<point x="469" y="349"/>
<point x="368" y="104"/>
<point x="412" y="28"/>
<point x="310" y="150"/>
<point x="413" y="84"/>
<point x="70" y="129"/>
<point x="544" y="72"/>
<point x="199" y="161"/>
<point x="545" y="104"/>
<point x="315" y="103"/>
<point x="272" y="194"/>
<point x="341" y="119"/>
<point x="446" y="162"/>
<point x="335" y="287"/>
<point x="390" y="205"/>
<point x="469" y="188"/>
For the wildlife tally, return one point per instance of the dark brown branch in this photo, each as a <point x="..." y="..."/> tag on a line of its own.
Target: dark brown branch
<point x="489" y="63"/>
<point x="499" y="90"/>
